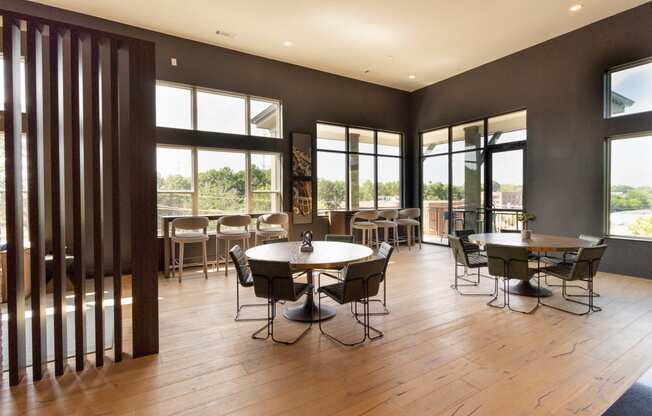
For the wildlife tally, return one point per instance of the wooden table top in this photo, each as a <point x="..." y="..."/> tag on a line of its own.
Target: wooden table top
<point x="538" y="242"/>
<point x="326" y="254"/>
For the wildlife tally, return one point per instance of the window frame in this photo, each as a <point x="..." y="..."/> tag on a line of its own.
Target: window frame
<point x="606" y="96"/>
<point x="347" y="153"/>
<point x="247" y="98"/>
<point x="249" y="192"/>
<point x="607" y="186"/>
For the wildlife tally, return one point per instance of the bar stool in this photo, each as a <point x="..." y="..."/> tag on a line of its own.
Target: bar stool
<point x="190" y="234"/>
<point x="387" y="223"/>
<point x="367" y="226"/>
<point x="278" y="223"/>
<point x="408" y="218"/>
<point x="238" y="231"/>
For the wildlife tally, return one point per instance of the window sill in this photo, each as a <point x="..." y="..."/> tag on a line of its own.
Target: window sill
<point x="625" y="238"/>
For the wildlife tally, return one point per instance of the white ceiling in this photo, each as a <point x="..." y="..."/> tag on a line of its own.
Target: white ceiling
<point x="392" y="39"/>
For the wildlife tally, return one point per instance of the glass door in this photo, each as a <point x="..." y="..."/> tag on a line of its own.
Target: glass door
<point x="506" y="170"/>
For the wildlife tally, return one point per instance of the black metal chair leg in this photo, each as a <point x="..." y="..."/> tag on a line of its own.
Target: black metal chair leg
<point x="586" y="295"/>
<point x="495" y="298"/>
<point x="333" y="338"/>
<point x="239" y="308"/>
<point x="590" y="305"/>
<point x="531" y="311"/>
<point x="267" y="326"/>
<point x="271" y="315"/>
<point x="456" y="286"/>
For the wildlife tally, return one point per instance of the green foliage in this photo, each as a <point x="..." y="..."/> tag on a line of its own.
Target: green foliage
<point x="642" y="227"/>
<point x="332" y="194"/>
<point x="625" y="198"/>
<point x="438" y="191"/>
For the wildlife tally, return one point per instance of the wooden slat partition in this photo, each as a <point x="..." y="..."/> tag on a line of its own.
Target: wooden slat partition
<point x="88" y="93"/>
<point x="98" y="207"/>
<point x="57" y="172"/>
<point x="14" y="198"/>
<point x="35" y="172"/>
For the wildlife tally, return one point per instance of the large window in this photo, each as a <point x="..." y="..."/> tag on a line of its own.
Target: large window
<point x="472" y="175"/>
<point x="357" y="168"/>
<point x="629" y="89"/>
<point x="187" y="107"/>
<point x="203" y="181"/>
<point x="629" y="193"/>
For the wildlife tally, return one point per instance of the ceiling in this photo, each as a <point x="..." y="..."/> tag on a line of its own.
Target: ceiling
<point x="380" y="41"/>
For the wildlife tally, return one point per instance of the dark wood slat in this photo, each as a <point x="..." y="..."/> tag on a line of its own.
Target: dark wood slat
<point x="111" y="146"/>
<point x="58" y="204"/>
<point x="14" y="199"/>
<point x="98" y="206"/>
<point x="142" y="142"/>
<point x="36" y="194"/>
<point x="78" y="208"/>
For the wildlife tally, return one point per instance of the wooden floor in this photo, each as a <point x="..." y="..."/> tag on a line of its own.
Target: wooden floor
<point x="441" y="354"/>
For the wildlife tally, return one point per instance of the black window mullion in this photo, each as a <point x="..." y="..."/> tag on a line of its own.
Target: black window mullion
<point x="347" y="190"/>
<point x="451" y="219"/>
<point x="375" y="169"/>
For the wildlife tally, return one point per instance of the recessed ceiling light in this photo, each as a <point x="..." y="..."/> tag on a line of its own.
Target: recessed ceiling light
<point x="412" y="77"/>
<point x="576" y="7"/>
<point x="287" y="43"/>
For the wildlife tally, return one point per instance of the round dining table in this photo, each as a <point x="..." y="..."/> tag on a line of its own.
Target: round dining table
<point x="537" y="243"/>
<point x="325" y="255"/>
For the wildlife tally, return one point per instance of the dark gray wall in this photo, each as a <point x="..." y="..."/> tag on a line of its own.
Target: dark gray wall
<point x="560" y="83"/>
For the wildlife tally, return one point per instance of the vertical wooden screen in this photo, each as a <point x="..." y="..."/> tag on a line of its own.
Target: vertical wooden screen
<point x="88" y="118"/>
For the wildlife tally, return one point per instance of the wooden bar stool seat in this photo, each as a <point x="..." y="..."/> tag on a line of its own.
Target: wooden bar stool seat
<point x="237" y="230"/>
<point x="193" y="230"/>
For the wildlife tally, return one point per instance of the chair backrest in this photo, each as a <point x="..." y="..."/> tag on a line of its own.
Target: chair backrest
<point x="388" y="214"/>
<point x="464" y="234"/>
<point x="189" y="224"/>
<point x="385" y="251"/>
<point x="278" y="218"/>
<point x="596" y="241"/>
<point x="241" y="266"/>
<point x="367" y="215"/>
<point x="276" y="240"/>
<point x="411" y="213"/>
<point x="362" y="280"/>
<point x="457" y="247"/>
<point x="587" y="262"/>
<point x="272" y="279"/>
<point x="508" y="262"/>
<point x="341" y="238"/>
<point x="234" y="221"/>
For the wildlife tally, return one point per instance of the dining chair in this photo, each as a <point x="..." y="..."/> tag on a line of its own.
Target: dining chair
<point x="387" y="221"/>
<point x="385" y="252"/>
<point x="408" y="218"/>
<point x="271" y="226"/>
<point x="464" y="236"/>
<point x="360" y="282"/>
<point x="510" y="263"/>
<point x="274" y="281"/>
<point x="569" y="257"/>
<point x="341" y="238"/>
<point x="366" y="226"/>
<point x="237" y="230"/>
<point x="192" y="230"/>
<point x="469" y="259"/>
<point x="583" y="268"/>
<point x="244" y="279"/>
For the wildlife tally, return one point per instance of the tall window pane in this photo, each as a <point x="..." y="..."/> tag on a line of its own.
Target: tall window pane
<point x="468" y="190"/>
<point x="265" y="182"/>
<point x="389" y="143"/>
<point x="174" y="182"/>
<point x="361" y="181"/>
<point x="221" y="182"/>
<point x="389" y="182"/>
<point x="331" y="137"/>
<point x="173" y="106"/>
<point x="434" y="142"/>
<point x="220" y="113"/>
<point x="630" y="90"/>
<point x="630" y="204"/>
<point x="508" y="128"/>
<point x="331" y="172"/>
<point x="361" y="140"/>
<point x="264" y="118"/>
<point x="436" y="217"/>
<point x="468" y="136"/>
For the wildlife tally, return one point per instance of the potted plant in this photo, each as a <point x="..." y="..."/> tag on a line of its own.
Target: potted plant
<point x="524" y="217"/>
